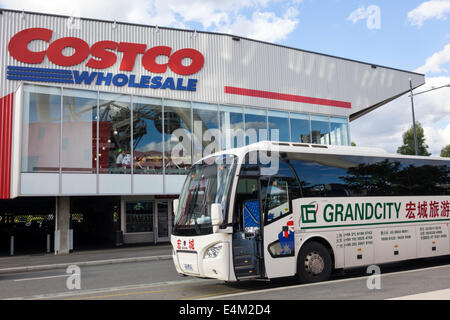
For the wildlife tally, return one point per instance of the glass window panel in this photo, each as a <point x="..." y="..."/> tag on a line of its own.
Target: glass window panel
<point x="320" y="179"/>
<point x="163" y="219"/>
<point x="206" y="129"/>
<point x="139" y="216"/>
<point x="115" y="133"/>
<point x="79" y="131"/>
<point x="255" y="126"/>
<point x="231" y="127"/>
<point x="278" y="126"/>
<point x="41" y="129"/>
<point x="320" y="130"/>
<point x="177" y="136"/>
<point x="147" y="136"/>
<point x="300" y="130"/>
<point x="339" y="131"/>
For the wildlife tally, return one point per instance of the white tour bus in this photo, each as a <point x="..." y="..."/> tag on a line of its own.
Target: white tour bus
<point x="275" y="209"/>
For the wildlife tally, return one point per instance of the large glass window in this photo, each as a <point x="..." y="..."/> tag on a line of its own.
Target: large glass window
<point x="147" y="136"/>
<point x="320" y="130"/>
<point x="206" y="130"/>
<point x="255" y="125"/>
<point x="139" y="216"/>
<point x="41" y="129"/>
<point x="278" y="126"/>
<point x="178" y="136"/>
<point x="115" y="133"/>
<point x="300" y="129"/>
<point x="339" y="131"/>
<point x="231" y="127"/>
<point x="79" y="131"/>
<point x="167" y="136"/>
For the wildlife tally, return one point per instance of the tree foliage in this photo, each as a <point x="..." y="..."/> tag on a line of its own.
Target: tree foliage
<point x="408" y="147"/>
<point x="445" y="152"/>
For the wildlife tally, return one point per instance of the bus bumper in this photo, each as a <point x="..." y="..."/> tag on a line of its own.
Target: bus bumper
<point x="209" y="260"/>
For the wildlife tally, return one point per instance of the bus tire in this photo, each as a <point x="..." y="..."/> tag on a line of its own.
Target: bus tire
<point x="314" y="263"/>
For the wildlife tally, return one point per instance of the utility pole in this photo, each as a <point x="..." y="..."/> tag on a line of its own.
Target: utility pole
<point x="414" y="118"/>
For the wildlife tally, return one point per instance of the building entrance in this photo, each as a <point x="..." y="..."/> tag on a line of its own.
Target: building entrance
<point x="146" y="220"/>
<point x="95" y="222"/>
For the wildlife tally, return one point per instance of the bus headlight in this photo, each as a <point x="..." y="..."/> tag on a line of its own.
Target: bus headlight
<point x="213" y="251"/>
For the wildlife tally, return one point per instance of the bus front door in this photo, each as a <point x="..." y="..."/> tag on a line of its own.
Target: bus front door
<point x="247" y="235"/>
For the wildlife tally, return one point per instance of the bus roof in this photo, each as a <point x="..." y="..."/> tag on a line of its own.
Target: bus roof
<point x="293" y="147"/>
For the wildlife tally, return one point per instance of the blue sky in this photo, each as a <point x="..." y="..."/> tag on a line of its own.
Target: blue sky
<point x="412" y="35"/>
<point x="396" y="43"/>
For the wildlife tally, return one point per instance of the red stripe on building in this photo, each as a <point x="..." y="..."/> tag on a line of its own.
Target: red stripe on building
<point x="287" y="97"/>
<point x="6" y="120"/>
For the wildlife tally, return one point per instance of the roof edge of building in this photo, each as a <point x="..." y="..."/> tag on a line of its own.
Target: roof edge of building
<point x="213" y="33"/>
<point x="365" y="111"/>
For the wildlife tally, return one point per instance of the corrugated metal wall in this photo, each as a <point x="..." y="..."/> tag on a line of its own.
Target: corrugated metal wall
<point x="243" y="64"/>
<point x="6" y="118"/>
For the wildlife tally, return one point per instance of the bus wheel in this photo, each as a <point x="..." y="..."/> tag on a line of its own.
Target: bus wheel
<point x="314" y="263"/>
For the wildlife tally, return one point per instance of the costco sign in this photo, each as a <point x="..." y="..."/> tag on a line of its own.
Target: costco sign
<point x="102" y="55"/>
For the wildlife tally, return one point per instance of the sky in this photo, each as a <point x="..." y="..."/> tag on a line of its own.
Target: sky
<point x="411" y="35"/>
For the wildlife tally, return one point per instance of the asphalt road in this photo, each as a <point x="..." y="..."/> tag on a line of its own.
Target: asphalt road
<point x="157" y="280"/>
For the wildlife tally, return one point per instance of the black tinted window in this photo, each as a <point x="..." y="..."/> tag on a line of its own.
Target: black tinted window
<point x="350" y="176"/>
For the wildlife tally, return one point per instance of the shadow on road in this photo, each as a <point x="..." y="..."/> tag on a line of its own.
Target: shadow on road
<point x="392" y="267"/>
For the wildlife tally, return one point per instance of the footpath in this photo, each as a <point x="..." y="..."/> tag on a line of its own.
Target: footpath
<point x="49" y="261"/>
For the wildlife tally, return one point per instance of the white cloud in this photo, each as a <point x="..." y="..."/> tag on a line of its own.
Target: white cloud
<point x="385" y="126"/>
<point x="259" y="19"/>
<point x="433" y="9"/>
<point x="434" y="63"/>
<point x="264" y="26"/>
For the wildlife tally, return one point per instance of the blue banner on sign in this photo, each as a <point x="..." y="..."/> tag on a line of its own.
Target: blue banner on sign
<point x="99" y="78"/>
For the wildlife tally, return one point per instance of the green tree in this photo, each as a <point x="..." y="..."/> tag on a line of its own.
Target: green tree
<point x="445" y="152"/>
<point x="353" y="144"/>
<point x="408" y="147"/>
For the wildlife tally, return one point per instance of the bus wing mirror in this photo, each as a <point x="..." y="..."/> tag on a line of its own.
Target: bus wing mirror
<point x="216" y="214"/>
<point x="175" y="204"/>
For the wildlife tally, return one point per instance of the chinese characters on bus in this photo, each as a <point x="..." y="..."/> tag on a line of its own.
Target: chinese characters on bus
<point x="427" y="209"/>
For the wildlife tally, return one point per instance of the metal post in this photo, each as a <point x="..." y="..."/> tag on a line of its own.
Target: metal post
<point x="11" y="243"/>
<point x="414" y="118"/>
<point x="48" y="243"/>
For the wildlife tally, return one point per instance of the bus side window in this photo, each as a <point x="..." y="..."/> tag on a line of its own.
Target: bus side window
<point x="318" y="180"/>
<point x="278" y="191"/>
<point x="276" y="200"/>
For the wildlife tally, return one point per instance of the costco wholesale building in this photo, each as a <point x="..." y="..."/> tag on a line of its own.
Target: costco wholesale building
<point x="100" y="120"/>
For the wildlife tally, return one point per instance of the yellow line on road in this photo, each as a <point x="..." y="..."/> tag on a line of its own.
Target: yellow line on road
<point x="117" y="295"/>
<point x="213" y="294"/>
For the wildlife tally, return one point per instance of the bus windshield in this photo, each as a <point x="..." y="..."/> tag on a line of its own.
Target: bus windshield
<point x="207" y="182"/>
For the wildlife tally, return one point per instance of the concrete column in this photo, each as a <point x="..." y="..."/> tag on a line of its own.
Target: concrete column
<point x="62" y="225"/>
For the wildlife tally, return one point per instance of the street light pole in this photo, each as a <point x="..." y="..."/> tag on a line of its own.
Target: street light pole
<point x="414" y="118"/>
<point x="412" y="108"/>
